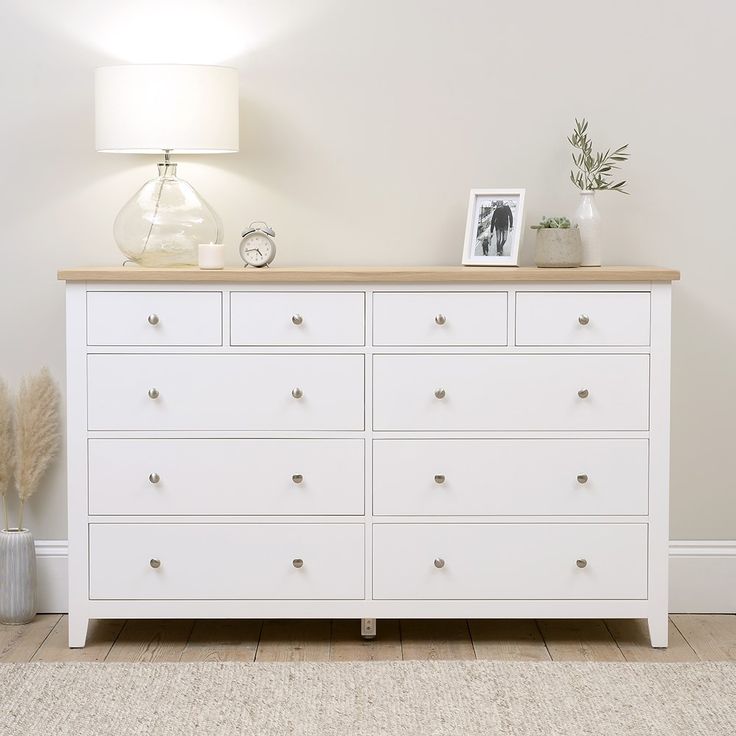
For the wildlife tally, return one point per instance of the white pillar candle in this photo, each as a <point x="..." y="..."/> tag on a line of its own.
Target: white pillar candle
<point x="211" y="255"/>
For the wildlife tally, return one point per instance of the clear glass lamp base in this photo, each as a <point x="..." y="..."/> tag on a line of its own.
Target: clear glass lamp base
<point x="165" y="221"/>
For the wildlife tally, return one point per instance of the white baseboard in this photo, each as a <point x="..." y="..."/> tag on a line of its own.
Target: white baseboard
<point x="702" y="576"/>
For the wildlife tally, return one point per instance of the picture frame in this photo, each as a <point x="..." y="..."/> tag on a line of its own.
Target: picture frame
<point x="493" y="229"/>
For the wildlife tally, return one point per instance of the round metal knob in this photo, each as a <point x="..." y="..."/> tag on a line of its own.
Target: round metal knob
<point x="298" y="563"/>
<point x="297" y="319"/>
<point x="297" y="393"/>
<point x="440" y="393"/>
<point x="154" y="563"/>
<point x="297" y="478"/>
<point x="439" y="479"/>
<point x="583" y="393"/>
<point x="581" y="563"/>
<point x="440" y="319"/>
<point x="153" y="319"/>
<point x="439" y="563"/>
<point x="153" y="393"/>
<point x="154" y="478"/>
<point x="582" y="478"/>
<point x="583" y="319"/>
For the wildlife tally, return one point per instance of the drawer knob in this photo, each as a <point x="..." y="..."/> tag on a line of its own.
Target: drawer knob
<point x="583" y="319"/>
<point x="440" y="393"/>
<point x="581" y="563"/>
<point x="154" y="478"/>
<point x="297" y="319"/>
<point x="439" y="563"/>
<point x="153" y="319"/>
<point x="582" y="478"/>
<point x="154" y="563"/>
<point x="440" y="319"/>
<point x="297" y="393"/>
<point x="153" y="393"/>
<point x="439" y="479"/>
<point x="298" y="563"/>
<point x="297" y="478"/>
<point x="583" y="393"/>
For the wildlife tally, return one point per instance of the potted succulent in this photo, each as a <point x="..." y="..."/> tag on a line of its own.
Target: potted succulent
<point x="558" y="243"/>
<point x="29" y="441"/>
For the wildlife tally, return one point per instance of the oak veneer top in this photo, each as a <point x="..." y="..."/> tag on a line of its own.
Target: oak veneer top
<point x="373" y="274"/>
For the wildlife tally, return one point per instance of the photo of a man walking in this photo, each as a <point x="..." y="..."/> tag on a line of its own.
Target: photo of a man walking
<point x="494" y="223"/>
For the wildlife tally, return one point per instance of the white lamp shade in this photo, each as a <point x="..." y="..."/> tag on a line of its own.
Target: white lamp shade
<point x="179" y="108"/>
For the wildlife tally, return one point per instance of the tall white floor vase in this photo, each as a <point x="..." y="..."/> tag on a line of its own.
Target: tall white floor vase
<point x="588" y="219"/>
<point x="17" y="576"/>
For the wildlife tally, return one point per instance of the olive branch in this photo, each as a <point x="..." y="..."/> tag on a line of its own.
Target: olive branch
<point x="594" y="170"/>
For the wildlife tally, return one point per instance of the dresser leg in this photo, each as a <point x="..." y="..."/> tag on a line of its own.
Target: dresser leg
<point x="77" y="631"/>
<point x="658" y="631"/>
<point x="368" y="628"/>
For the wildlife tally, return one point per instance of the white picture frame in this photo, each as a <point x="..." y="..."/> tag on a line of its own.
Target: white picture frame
<point x="485" y="233"/>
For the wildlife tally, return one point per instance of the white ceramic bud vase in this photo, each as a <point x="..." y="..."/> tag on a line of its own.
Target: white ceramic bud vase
<point x="588" y="219"/>
<point x="17" y="576"/>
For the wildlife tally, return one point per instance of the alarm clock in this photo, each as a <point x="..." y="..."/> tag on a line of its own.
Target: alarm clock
<point x="257" y="247"/>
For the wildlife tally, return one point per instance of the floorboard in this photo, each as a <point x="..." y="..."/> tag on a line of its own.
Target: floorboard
<point x="516" y="640"/>
<point x="632" y="637"/>
<point x="144" y="640"/>
<point x="101" y="635"/>
<point x="223" y="640"/>
<point x="348" y="646"/>
<point x="713" y="637"/>
<point x="20" y="643"/>
<point x="579" y="640"/>
<point x="436" y="639"/>
<point x="297" y="640"/>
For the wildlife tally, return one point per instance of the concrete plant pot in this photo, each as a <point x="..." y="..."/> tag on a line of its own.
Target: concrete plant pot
<point x="558" y="248"/>
<point x="17" y="576"/>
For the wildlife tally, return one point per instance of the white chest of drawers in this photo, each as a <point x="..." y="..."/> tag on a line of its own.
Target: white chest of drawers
<point x="368" y="443"/>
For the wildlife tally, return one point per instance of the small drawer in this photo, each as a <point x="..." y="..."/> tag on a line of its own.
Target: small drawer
<point x="510" y="561"/>
<point x="226" y="561"/>
<point x="225" y="392"/>
<point x="170" y="477"/>
<point x="585" y="318"/>
<point x="510" y="392"/>
<point x="440" y="318"/>
<point x="297" y="318"/>
<point x="140" y="318"/>
<point x="540" y="477"/>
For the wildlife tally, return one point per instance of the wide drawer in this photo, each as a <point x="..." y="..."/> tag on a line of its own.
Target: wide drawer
<point x="226" y="561"/>
<point x="582" y="318"/>
<point x="440" y="318"/>
<point x="544" y="477"/>
<point x="154" y="318"/>
<point x="225" y="392"/>
<point x="510" y="561"/>
<point x="510" y="392"/>
<point x="297" y="318"/>
<point x="160" y="477"/>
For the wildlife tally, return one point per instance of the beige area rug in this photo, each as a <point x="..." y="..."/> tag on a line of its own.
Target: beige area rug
<point x="352" y="699"/>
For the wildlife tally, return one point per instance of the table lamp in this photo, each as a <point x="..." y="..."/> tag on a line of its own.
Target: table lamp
<point x="166" y="109"/>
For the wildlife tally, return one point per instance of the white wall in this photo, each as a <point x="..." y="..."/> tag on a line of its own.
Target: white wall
<point x="364" y="125"/>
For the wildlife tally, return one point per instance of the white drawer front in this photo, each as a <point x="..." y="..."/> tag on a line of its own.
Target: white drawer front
<point x="509" y="561"/>
<point x="582" y="318"/>
<point x="440" y="318"/>
<point x="510" y="477"/>
<point x="297" y="318"/>
<point x="154" y="318"/>
<point x="229" y="477"/>
<point x="226" y="561"/>
<point x="227" y="392"/>
<point x="510" y="392"/>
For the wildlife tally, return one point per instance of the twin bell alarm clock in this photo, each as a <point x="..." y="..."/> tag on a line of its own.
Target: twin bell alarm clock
<point x="257" y="247"/>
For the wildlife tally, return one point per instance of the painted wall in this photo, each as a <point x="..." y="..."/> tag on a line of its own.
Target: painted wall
<point x="364" y="125"/>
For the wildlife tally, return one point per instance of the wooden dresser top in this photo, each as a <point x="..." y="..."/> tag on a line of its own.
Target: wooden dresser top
<point x="373" y="274"/>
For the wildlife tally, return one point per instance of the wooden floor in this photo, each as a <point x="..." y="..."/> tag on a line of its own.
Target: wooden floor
<point x="692" y="638"/>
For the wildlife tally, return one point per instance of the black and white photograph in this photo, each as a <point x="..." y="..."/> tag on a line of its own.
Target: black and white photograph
<point x="493" y="229"/>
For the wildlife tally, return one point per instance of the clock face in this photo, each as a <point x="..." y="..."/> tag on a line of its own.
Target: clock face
<point x="257" y="249"/>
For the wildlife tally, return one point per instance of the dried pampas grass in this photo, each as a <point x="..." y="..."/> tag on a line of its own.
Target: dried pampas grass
<point x="6" y="446"/>
<point x="37" y="434"/>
